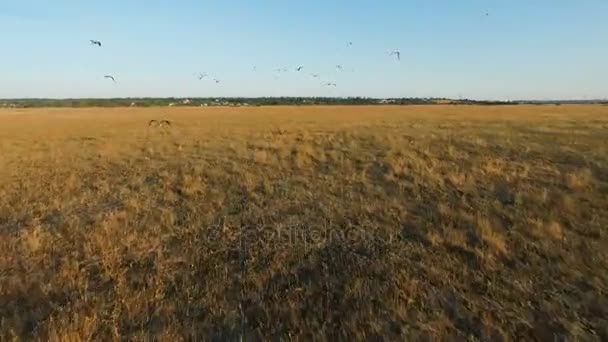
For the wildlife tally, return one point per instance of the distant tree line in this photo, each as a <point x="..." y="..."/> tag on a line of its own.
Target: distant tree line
<point x="258" y="101"/>
<point x="222" y="101"/>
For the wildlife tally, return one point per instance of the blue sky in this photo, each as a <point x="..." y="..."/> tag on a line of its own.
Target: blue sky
<point x="523" y="49"/>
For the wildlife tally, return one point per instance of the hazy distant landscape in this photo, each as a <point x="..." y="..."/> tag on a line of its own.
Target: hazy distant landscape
<point x="311" y="222"/>
<point x="266" y="101"/>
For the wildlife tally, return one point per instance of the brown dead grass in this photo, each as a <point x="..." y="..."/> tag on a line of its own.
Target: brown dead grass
<point x="436" y="222"/>
<point x="580" y="180"/>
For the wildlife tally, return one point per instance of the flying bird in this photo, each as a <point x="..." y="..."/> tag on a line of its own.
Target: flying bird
<point x="201" y="76"/>
<point x="216" y="81"/>
<point x="329" y="84"/>
<point x="299" y="68"/>
<point x="110" y="77"/>
<point x="315" y="75"/>
<point x="339" y="67"/>
<point x="349" y="44"/>
<point x="395" y="53"/>
<point x="95" y="42"/>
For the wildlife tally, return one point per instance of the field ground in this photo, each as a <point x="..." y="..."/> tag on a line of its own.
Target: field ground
<point x="429" y="222"/>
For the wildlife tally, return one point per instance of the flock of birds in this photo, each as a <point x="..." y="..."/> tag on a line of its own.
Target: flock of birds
<point x="202" y="76"/>
<point x="98" y="43"/>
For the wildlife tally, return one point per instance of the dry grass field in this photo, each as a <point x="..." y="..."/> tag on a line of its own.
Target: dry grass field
<point x="299" y="223"/>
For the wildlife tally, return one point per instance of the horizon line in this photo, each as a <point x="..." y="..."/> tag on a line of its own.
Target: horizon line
<point x="298" y="97"/>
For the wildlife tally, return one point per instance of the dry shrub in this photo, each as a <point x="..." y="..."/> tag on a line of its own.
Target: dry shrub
<point x="456" y="237"/>
<point x="494" y="167"/>
<point x="302" y="160"/>
<point x="306" y="149"/>
<point x="481" y="142"/>
<point x="435" y="238"/>
<point x="542" y="230"/>
<point x="35" y="240"/>
<point x="398" y="165"/>
<point x="555" y="231"/>
<point x="458" y="179"/>
<point x="568" y="204"/>
<point x="260" y="156"/>
<point x="492" y="236"/>
<point x="193" y="185"/>
<point x="521" y="171"/>
<point x="284" y="152"/>
<point x="249" y="180"/>
<point x="303" y="155"/>
<point x="445" y="211"/>
<point x="78" y="328"/>
<point x="580" y="180"/>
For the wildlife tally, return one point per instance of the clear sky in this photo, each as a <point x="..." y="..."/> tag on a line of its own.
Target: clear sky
<point x="522" y="49"/>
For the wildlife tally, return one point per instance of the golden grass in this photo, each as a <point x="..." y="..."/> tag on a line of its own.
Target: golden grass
<point x="437" y="222"/>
